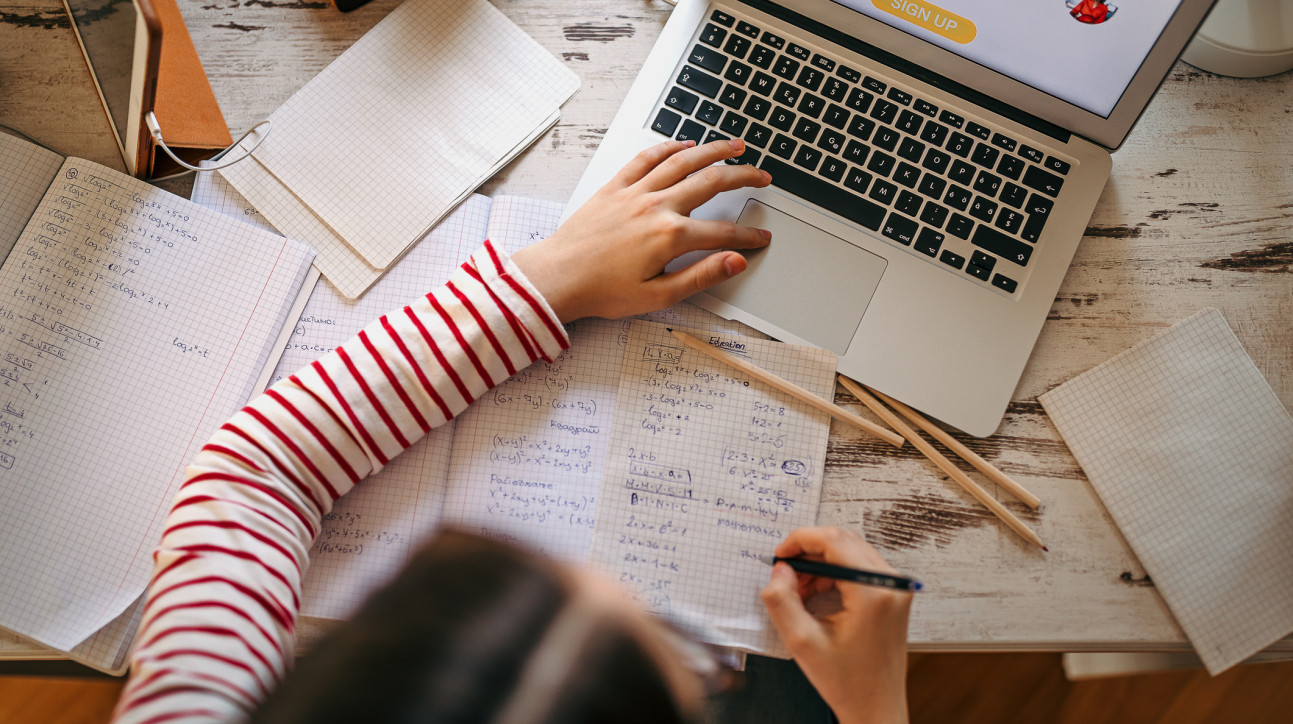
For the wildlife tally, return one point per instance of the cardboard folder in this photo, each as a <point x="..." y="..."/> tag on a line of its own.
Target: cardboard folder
<point x="186" y="107"/>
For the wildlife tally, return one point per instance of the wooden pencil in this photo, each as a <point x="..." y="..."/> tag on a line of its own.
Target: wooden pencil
<point x="789" y="388"/>
<point x="943" y="463"/>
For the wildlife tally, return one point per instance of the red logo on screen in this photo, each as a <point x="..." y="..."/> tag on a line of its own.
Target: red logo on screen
<point x="1091" y="12"/>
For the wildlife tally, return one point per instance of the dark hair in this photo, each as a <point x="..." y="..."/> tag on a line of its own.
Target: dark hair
<point x="452" y="639"/>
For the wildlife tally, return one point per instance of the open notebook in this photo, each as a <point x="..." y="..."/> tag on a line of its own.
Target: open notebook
<point x="360" y="169"/>
<point x="133" y="324"/>
<point x="529" y="461"/>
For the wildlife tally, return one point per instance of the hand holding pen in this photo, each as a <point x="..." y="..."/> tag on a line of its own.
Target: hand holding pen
<point x="856" y="656"/>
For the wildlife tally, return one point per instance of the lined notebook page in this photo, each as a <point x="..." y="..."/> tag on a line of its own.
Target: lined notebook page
<point x="461" y="88"/>
<point x="26" y="170"/>
<point x="705" y="471"/>
<point x="119" y="364"/>
<point x="1192" y="454"/>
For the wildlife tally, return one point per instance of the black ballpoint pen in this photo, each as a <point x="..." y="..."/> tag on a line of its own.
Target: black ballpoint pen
<point x="828" y="570"/>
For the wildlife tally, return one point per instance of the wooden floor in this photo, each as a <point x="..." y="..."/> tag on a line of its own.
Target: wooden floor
<point x="943" y="688"/>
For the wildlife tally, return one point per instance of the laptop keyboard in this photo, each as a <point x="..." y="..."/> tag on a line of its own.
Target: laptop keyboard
<point x="969" y="197"/>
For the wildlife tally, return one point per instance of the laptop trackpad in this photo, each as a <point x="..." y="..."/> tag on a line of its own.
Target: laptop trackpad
<point x="807" y="281"/>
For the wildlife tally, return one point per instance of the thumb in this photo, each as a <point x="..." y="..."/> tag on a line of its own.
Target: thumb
<point x="786" y="608"/>
<point x="713" y="269"/>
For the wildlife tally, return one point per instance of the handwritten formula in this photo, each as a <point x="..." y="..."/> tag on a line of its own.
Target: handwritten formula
<point x="706" y="469"/>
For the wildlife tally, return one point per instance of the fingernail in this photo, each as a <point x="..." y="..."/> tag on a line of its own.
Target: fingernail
<point x="767" y="235"/>
<point x="767" y="177"/>
<point x="731" y="267"/>
<point x="737" y="145"/>
<point x="688" y="143"/>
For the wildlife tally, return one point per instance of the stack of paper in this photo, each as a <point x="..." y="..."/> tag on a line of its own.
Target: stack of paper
<point x="370" y="155"/>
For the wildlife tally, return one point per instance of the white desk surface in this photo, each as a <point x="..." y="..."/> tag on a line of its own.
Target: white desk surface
<point x="1198" y="212"/>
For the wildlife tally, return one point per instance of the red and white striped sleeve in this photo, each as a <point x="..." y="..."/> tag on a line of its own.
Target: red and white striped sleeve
<point x="220" y="614"/>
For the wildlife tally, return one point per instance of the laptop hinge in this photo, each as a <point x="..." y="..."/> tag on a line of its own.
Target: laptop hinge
<point x="969" y="94"/>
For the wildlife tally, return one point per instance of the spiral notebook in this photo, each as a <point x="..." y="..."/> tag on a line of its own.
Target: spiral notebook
<point x="1191" y="452"/>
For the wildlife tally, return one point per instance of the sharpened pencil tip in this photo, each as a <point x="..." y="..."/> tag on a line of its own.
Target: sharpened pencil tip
<point x="1048" y="550"/>
<point x="668" y="329"/>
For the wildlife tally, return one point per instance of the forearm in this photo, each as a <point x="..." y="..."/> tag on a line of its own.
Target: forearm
<point x="221" y="610"/>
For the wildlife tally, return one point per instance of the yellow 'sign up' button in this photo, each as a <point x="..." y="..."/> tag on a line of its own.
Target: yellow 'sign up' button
<point x="930" y="17"/>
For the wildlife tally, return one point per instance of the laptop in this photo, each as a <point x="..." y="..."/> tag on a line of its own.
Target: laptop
<point x="933" y="168"/>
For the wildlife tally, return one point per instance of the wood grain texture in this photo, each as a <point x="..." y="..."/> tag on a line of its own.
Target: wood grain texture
<point x="1198" y="212"/>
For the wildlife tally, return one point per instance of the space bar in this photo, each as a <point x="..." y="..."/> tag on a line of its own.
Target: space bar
<point x="828" y="196"/>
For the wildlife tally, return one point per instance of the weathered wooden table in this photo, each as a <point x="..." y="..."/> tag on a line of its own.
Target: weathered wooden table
<point x="1198" y="212"/>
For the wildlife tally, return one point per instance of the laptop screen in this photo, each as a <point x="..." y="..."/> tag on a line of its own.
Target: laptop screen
<point x="1084" y="52"/>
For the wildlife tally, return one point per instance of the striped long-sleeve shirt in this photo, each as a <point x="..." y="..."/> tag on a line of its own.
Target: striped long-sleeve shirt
<point x="220" y="615"/>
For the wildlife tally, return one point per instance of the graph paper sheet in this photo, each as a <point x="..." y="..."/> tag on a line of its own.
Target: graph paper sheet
<point x="1192" y="454"/>
<point x="136" y="323"/>
<point x="26" y="171"/>
<point x="705" y="471"/>
<point x="434" y="98"/>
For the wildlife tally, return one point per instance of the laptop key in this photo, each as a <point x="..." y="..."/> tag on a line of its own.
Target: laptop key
<point x="984" y="261"/>
<point x="1010" y="221"/>
<point x="836" y="116"/>
<point x="806" y="130"/>
<point x="763" y="84"/>
<point x="733" y="123"/>
<point x="775" y="41"/>
<point x="709" y="112"/>
<point x="784" y="146"/>
<point x="811" y="105"/>
<point x="832" y="168"/>
<point x="786" y="67"/>
<point x="699" y="81"/>
<point x="983" y="209"/>
<point x="957" y="197"/>
<point x="782" y="119"/>
<point x="1011" y="166"/>
<point x="749" y="157"/>
<point x="1014" y="195"/>
<point x="732" y="96"/>
<point x="691" y="131"/>
<point x="1005" y="283"/>
<point x="859" y="100"/>
<point x="933" y="133"/>
<point x="738" y="72"/>
<point x="961" y="145"/>
<point x="985" y="155"/>
<point x="977" y="271"/>
<point x="928" y="241"/>
<point x="823" y="62"/>
<point x="952" y="259"/>
<point x="907" y="175"/>
<point x="900" y="96"/>
<point x="737" y="46"/>
<point x="762" y="56"/>
<point x="1012" y="250"/>
<point x="856" y="152"/>
<point x="1032" y="230"/>
<point x="715" y="136"/>
<point x="987" y="184"/>
<point x="909" y="122"/>
<point x="808" y="157"/>
<point x="881" y="163"/>
<point x="722" y="18"/>
<point x="934" y="214"/>
<point x="936" y="160"/>
<point x="975" y="129"/>
<point x="962" y="173"/>
<point x="911" y="149"/>
<point x="886" y="138"/>
<point x="757" y="108"/>
<point x="858" y="180"/>
<point x="924" y="106"/>
<point x="666" y="122"/>
<point x="848" y="74"/>
<point x="786" y="94"/>
<point x="873" y="85"/>
<point x="707" y="58"/>
<point x="932" y="186"/>
<point x="811" y="78"/>
<point x="951" y="119"/>
<point x="861" y="127"/>
<point x="681" y="100"/>
<point x="960" y="226"/>
<point x="824" y="194"/>
<point x="758" y="135"/>
<point x="1056" y="165"/>
<point x="884" y="111"/>
<point x="883" y="191"/>
<point x="835" y="89"/>
<point x="712" y="35"/>
<point x="1043" y="181"/>
<point x="1039" y="206"/>
<point x="747" y="29"/>
<point x="900" y="229"/>
<point x="1003" y="141"/>
<point x="799" y="52"/>
<point x="1031" y="153"/>
<point x="832" y="141"/>
<point x="908" y="203"/>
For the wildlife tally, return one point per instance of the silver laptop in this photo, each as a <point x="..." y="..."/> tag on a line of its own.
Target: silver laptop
<point x="934" y="167"/>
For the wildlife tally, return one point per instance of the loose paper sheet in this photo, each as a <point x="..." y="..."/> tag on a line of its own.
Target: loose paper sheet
<point x="707" y="470"/>
<point x="1192" y="454"/>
